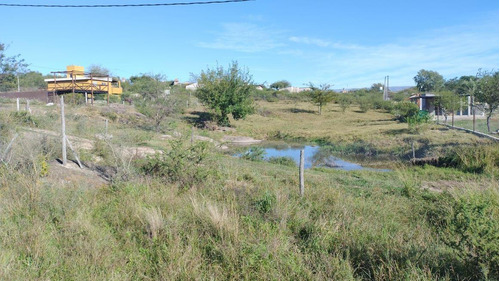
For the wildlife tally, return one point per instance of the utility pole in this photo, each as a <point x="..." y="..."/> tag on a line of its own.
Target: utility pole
<point x="386" y="87"/>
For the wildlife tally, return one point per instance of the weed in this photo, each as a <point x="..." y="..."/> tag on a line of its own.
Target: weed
<point x="285" y="161"/>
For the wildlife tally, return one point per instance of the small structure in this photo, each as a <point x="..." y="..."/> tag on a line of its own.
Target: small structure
<point x="192" y="86"/>
<point x="427" y="102"/>
<point x="295" y="89"/>
<point x="77" y="81"/>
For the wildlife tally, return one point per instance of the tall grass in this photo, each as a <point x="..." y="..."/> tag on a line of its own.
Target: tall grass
<point x="190" y="213"/>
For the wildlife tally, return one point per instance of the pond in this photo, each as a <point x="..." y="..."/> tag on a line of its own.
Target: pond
<point x="315" y="156"/>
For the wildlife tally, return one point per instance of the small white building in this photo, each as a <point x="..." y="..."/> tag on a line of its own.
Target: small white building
<point x="192" y="86"/>
<point x="295" y="89"/>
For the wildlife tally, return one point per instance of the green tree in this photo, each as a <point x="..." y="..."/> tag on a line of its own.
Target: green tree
<point x="9" y="68"/>
<point x="344" y="101"/>
<point x="449" y="102"/>
<point x="376" y="87"/>
<point x="428" y="80"/>
<point x="149" y="86"/>
<point x="98" y="70"/>
<point x="226" y="92"/>
<point x="488" y="93"/>
<point x="155" y="103"/>
<point x="321" y="96"/>
<point x="280" y="85"/>
<point x="32" y="80"/>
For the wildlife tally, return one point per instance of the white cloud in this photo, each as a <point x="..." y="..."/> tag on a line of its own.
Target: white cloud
<point x="323" y="43"/>
<point x="244" y="37"/>
<point x="453" y="51"/>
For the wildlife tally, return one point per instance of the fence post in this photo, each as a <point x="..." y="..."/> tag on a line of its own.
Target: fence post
<point x="28" y="106"/>
<point x="301" y="172"/>
<point x="17" y="104"/>
<point x="63" y="131"/>
<point x="106" y="133"/>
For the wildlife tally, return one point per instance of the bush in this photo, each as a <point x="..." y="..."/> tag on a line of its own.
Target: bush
<point x="467" y="223"/>
<point x="187" y="166"/>
<point x="255" y="153"/>
<point x="226" y="92"/>
<point x="404" y="110"/>
<point x="364" y="103"/>
<point x="25" y="118"/>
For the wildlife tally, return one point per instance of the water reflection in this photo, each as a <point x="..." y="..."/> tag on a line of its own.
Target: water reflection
<point x="315" y="156"/>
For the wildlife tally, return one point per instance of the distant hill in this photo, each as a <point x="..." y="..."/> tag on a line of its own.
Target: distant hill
<point x="399" y="88"/>
<point x="391" y="88"/>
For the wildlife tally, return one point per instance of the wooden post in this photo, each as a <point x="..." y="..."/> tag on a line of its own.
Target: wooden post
<point x="17" y="104"/>
<point x="473" y="113"/>
<point x="8" y="147"/>
<point x="109" y="88"/>
<point x="301" y="172"/>
<point x="28" y="106"/>
<point x="63" y="131"/>
<point x="91" y="89"/>
<point x="106" y="128"/>
<point x="74" y="152"/>
<point x="86" y="98"/>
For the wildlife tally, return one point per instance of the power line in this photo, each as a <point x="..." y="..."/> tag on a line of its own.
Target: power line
<point x="123" y="5"/>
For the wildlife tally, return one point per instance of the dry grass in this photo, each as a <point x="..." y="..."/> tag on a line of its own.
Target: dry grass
<point x="300" y="120"/>
<point x="250" y="223"/>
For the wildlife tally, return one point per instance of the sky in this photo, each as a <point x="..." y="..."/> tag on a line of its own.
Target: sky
<point x="347" y="44"/>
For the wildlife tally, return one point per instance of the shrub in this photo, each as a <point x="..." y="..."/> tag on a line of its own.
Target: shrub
<point x="24" y="118"/>
<point x="255" y="153"/>
<point x="364" y="103"/>
<point x="185" y="165"/>
<point x="344" y="101"/>
<point x="467" y="223"/>
<point x="404" y="110"/>
<point x="226" y="92"/>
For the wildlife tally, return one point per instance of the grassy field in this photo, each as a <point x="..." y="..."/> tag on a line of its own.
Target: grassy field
<point x="376" y="129"/>
<point x="193" y="213"/>
<point x="480" y="125"/>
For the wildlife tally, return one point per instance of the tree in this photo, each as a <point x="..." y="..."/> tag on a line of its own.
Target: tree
<point x="488" y="93"/>
<point x="468" y="87"/>
<point x="149" y="86"/>
<point x="344" y="100"/>
<point x="155" y="103"/>
<point x="321" y="96"/>
<point x="32" y="80"/>
<point x="376" y="87"/>
<point x="226" y="92"/>
<point x="449" y="102"/>
<point x="99" y="70"/>
<point x="428" y="80"/>
<point x="280" y="85"/>
<point x="9" y="68"/>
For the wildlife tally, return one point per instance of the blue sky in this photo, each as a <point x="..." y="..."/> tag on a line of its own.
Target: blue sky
<point x="342" y="43"/>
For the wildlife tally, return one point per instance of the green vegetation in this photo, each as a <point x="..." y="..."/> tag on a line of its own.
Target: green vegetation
<point x="428" y="81"/>
<point x="488" y="93"/>
<point x="280" y="85"/>
<point x="226" y="92"/>
<point x="154" y="204"/>
<point x="321" y="96"/>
